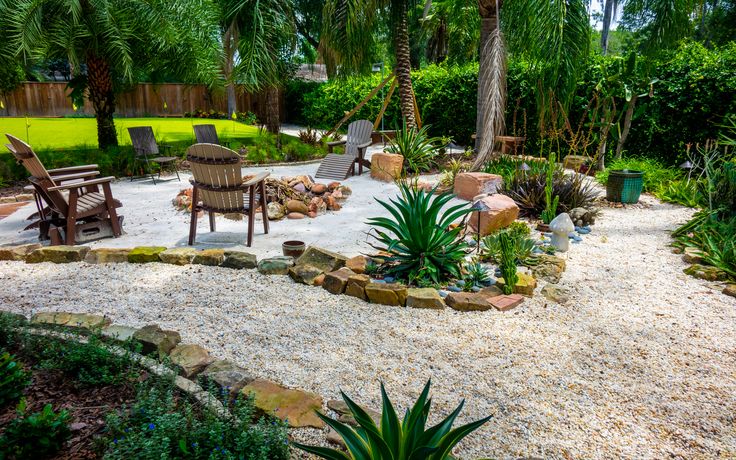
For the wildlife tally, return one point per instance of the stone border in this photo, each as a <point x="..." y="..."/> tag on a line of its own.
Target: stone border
<point x="21" y="197"/>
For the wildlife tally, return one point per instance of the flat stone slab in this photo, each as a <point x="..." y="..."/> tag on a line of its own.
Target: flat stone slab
<point x="387" y="293"/>
<point x="555" y="293"/>
<point x="305" y="274"/>
<point x="156" y="340"/>
<point x="296" y="406"/>
<point x="278" y="265"/>
<point x="145" y="254"/>
<point x="468" y="301"/>
<point x="107" y="255"/>
<point x="506" y="302"/>
<point x="190" y="359"/>
<point x="239" y="260"/>
<point x="88" y="321"/>
<point x="424" y="298"/>
<point x="335" y="282"/>
<point x="323" y="259"/>
<point x="19" y="252"/>
<point x="345" y="416"/>
<point x="58" y="254"/>
<point x="227" y="375"/>
<point x="178" y="256"/>
<point x="118" y="332"/>
<point x="211" y="257"/>
<point x="525" y="285"/>
<point x="51" y="317"/>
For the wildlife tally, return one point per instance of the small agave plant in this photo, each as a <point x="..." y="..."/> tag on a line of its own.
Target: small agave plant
<point x="392" y="439"/>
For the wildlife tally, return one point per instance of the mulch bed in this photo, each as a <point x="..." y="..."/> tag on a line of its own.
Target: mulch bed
<point x="87" y="406"/>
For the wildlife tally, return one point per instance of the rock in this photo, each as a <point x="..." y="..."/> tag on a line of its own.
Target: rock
<point x="387" y="293"/>
<point x="582" y="217"/>
<point x="386" y="167"/>
<point x="344" y="414"/>
<point x="318" y="189"/>
<point x="228" y="376"/>
<point x="501" y="212"/>
<point x="468" y="301"/>
<point x="355" y="286"/>
<point x="119" y="333"/>
<point x="24" y="197"/>
<point x="706" y="272"/>
<point x="692" y="256"/>
<point x="555" y="293"/>
<point x="275" y="211"/>
<point x="345" y="191"/>
<point x="506" y="302"/>
<point x="574" y="162"/>
<point x="312" y="214"/>
<point x="178" y="256"/>
<point x="730" y="289"/>
<point x="210" y="257"/>
<point x="333" y="437"/>
<point x="18" y="252"/>
<point x="295" y="215"/>
<point x="525" y="285"/>
<point x="239" y="260"/>
<point x="145" y="254"/>
<point x="561" y="226"/>
<point x="156" y="340"/>
<point x="88" y="321"/>
<point x="332" y="186"/>
<point x="319" y="279"/>
<point x="357" y="264"/>
<point x="297" y="206"/>
<point x="471" y="184"/>
<point x="299" y="187"/>
<point x="548" y="267"/>
<point x="58" y="254"/>
<point x="317" y="205"/>
<point x="54" y="318"/>
<point x="190" y="359"/>
<point x="337" y="195"/>
<point x="323" y="259"/>
<point x="278" y="265"/>
<point x="7" y="199"/>
<point x="107" y="256"/>
<point x="424" y="298"/>
<point x="305" y="274"/>
<point x="336" y="281"/>
<point x="298" y="407"/>
<point x="332" y="204"/>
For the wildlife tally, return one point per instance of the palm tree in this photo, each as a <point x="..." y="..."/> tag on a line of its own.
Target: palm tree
<point x="349" y="33"/>
<point x="109" y="42"/>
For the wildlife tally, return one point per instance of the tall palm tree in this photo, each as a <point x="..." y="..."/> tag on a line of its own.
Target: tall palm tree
<point x="108" y="42"/>
<point x="348" y="33"/>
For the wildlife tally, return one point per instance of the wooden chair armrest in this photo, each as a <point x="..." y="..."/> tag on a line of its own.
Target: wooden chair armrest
<point x="72" y="169"/>
<point x="68" y="177"/>
<point x="336" y="143"/>
<point x="256" y="179"/>
<point x="100" y="181"/>
<point x="365" y="145"/>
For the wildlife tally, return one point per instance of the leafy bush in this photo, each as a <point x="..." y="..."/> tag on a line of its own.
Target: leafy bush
<point x="523" y="246"/>
<point x="509" y="167"/>
<point x="308" y="136"/>
<point x="13" y="379"/>
<point x="37" y="435"/>
<point x="422" y="245"/>
<point x="395" y="439"/>
<point x="528" y="191"/>
<point x="162" y="425"/>
<point x="418" y="149"/>
<point x="249" y="118"/>
<point x="656" y="174"/>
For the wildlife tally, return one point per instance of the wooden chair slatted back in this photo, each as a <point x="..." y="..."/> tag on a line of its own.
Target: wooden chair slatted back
<point x="143" y="140"/>
<point x="40" y="178"/>
<point x="217" y="175"/>
<point x="359" y="132"/>
<point x="206" y="134"/>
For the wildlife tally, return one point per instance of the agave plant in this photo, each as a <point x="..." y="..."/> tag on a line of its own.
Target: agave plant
<point x="528" y="191"/>
<point x="418" y="149"/>
<point x="422" y="245"/>
<point x="393" y="439"/>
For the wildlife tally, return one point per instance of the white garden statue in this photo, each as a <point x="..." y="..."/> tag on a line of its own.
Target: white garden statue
<point x="561" y="226"/>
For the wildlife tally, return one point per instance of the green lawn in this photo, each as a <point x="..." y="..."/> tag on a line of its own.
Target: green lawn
<point x="81" y="133"/>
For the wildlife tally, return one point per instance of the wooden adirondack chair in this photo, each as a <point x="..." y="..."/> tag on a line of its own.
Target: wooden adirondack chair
<point x="147" y="151"/>
<point x="338" y="167"/>
<point x="219" y="187"/>
<point x="206" y="134"/>
<point x="81" y="211"/>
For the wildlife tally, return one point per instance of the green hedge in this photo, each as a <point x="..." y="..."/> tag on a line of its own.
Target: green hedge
<point x="697" y="89"/>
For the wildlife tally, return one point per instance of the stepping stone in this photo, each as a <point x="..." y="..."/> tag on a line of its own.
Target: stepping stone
<point x="323" y="259"/>
<point x="506" y="302"/>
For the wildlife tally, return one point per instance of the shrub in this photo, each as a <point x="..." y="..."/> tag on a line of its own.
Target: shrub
<point x="13" y="379"/>
<point x="509" y="167"/>
<point x="422" y="245"/>
<point x="528" y="191"/>
<point x="407" y="439"/>
<point x="523" y="246"/>
<point x="655" y="173"/>
<point x="161" y="425"/>
<point x="418" y="149"/>
<point x="308" y="136"/>
<point x="37" y="435"/>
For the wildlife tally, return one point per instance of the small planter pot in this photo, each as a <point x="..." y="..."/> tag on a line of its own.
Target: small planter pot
<point x="624" y="186"/>
<point x="293" y="248"/>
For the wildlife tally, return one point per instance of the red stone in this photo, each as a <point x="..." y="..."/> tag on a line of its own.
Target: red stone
<point x="506" y="302"/>
<point x="472" y="184"/>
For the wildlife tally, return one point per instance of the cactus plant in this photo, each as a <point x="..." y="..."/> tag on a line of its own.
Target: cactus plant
<point x="508" y="262"/>
<point x="550" y="210"/>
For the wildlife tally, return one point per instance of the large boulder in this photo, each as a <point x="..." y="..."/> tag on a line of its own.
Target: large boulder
<point x="323" y="259"/>
<point x="145" y="254"/>
<point x="107" y="256"/>
<point x="500" y="211"/>
<point x="471" y="184"/>
<point x="387" y="293"/>
<point x="335" y="282"/>
<point x="305" y="274"/>
<point x="178" y="256"/>
<point x="424" y="298"/>
<point x="239" y="260"/>
<point x="228" y="376"/>
<point x="298" y="407"/>
<point x="386" y="167"/>
<point x="58" y="254"/>
<point x="278" y="265"/>
<point x="190" y="359"/>
<point x="355" y="286"/>
<point x="156" y="340"/>
<point x="18" y="252"/>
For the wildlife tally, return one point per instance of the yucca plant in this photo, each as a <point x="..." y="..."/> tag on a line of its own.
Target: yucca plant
<point x="418" y="149"/>
<point x="393" y="439"/>
<point x="422" y="245"/>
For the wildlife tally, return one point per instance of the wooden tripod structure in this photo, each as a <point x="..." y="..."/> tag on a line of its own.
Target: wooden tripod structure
<point x="390" y="78"/>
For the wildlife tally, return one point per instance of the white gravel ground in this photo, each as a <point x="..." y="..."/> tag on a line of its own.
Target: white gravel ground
<point x="640" y="364"/>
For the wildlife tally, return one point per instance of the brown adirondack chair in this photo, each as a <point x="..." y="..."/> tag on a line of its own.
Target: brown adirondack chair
<point x="75" y="208"/>
<point x="206" y="134"/>
<point x="338" y="167"/>
<point x="147" y="151"/>
<point x="219" y="187"/>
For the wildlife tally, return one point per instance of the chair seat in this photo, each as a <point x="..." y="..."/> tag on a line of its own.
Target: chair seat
<point x="91" y="201"/>
<point x="163" y="159"/>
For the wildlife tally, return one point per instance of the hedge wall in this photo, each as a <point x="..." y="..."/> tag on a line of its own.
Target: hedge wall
<point x="697" y="88"/>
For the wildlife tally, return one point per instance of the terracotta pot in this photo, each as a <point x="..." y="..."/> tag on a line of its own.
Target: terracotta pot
<point x="293" y="248"/>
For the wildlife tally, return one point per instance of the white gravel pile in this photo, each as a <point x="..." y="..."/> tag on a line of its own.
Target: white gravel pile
<point x="640" y="364"/>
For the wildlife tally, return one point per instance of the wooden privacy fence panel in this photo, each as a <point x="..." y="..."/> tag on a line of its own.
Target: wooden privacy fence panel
<point x="143" y="100"/>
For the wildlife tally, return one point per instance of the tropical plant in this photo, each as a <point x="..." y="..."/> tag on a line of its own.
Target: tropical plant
<point x="454" y="167"/>
<point x="523" y="245"/>
<point x="550" y="204"/>
<point x="308" y="136"/>
<point x="418" y="149"/>
<point x="509" y="167"/>
<point x="419" y="236"/>
<point x="528" y="191"/>
<point x="13" y="379"/>
<point x="108" y="43"/>
<point x="394" y="439"/>
<point x="37" y="435"/>
<point x="508" y="263"/>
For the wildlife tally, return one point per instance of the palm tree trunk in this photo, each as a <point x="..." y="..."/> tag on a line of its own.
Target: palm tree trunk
<point x="272" y="121"/>
<point x="403" y="68"/>
<point x="230" y="44"/>
<point x="607" y="20"/>
<point x="102" y="96"/>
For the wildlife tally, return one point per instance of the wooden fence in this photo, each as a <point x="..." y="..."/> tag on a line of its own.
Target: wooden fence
<point x="145" y="99"/>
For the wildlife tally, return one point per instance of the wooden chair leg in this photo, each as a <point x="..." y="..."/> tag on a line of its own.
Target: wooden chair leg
<point x="264" y="210"/>
<point x="212" y="221"/>
<point x="148" y="167"/>
<point x="71" y="218"/>
<point x="193" y="221"/>
<point x="251" y="213"/>
<point x="113" y="214"/>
